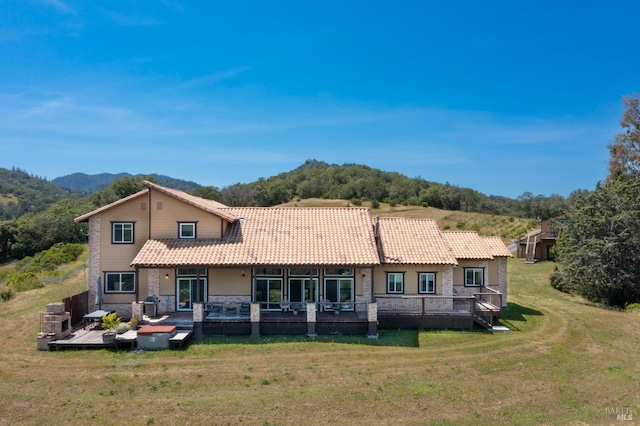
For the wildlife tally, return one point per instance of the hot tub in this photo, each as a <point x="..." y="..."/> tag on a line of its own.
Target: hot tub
<point x="155" y="336"/>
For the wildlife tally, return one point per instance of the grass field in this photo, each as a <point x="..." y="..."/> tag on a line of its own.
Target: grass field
<point x="565" y="362"/>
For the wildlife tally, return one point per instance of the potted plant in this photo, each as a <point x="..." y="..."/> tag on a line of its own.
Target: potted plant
<point x="110" y="323"/>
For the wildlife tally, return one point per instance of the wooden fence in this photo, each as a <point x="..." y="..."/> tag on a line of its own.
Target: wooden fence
<point x="77" y="305"/>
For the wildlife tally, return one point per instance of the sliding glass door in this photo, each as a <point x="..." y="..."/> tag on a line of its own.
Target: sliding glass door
<point x="188" y="292"/>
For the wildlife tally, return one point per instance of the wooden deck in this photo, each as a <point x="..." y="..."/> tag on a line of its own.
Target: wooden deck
<point x="92" y="339"/>
<point x="81" y="339"/>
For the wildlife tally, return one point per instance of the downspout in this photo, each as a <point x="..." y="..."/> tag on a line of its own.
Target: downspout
<point x="149" y="214"/>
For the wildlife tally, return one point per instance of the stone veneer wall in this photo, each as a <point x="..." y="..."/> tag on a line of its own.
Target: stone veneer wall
<point x="367" y="288"/>
<point x="447" y="280"/>
<point x="230" y="299"/>
<point x="94" y="260"/>
<point x="502" y="279"/>
<point x="153" y="283"/>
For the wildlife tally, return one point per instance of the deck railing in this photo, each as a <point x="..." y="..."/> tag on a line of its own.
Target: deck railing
<point x="424" y="305"/>
<point x="490" y="297"/>
<point x="488" y="305"/>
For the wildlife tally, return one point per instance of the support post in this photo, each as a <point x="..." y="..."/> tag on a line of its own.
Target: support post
<point x="372" y="318"/>
<point x="198" y="319"/>
<point x="255" y="320"/>
<point x="137" y="310"/>
<point x="311" y="320"/>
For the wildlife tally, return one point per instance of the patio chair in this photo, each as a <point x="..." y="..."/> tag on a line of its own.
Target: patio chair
<point x="245" y="309"/>
<point x="213" y="309"/>
<point x="285" y="305"/>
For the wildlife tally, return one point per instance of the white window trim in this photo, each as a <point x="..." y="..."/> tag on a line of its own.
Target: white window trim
<point x="426" y="291"/>
<point x="395" y="290"/>
<point x="181" y="224"/>
<point x="120" y="282"/>
<point x="474" y="284"/>
<point x="123" y="241"/>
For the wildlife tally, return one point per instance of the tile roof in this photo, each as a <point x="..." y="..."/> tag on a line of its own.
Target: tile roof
<point x="124" y="200"/>
<point x="274" y="236"/>
<point x="497" y="247"/>
<point x="210" y="206"/>
<point x="467" y="245"/>
<point x="413" y="241"/>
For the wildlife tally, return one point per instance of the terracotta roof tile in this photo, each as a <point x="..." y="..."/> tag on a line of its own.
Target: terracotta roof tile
<point x="210" y="206"/>
<point x="124" y="200"/>
<point x="467" y="245"/>
<point x="497" y="247"/>
<point x="274" y="236"/>
<point x="413" y="241"/>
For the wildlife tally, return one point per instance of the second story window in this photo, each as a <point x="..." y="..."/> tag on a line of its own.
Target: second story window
<point x="187" y="230"/>
<point x="122" y="232"/>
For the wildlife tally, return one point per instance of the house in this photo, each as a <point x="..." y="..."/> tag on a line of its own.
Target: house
<point x="538" y="244"/>
<point x="253" y="269"/>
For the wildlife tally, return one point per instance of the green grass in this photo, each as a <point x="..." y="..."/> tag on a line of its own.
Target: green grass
<point x="565" y="362"/>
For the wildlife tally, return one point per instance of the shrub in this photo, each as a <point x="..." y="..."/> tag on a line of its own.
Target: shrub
<point x="375" y="204"/>
<point x="633" y="307"/>
<point x="356" y="201"/>
<point x="460" y="225"/>
<point x="23" y="281"/>
<point x="6" y="294"/>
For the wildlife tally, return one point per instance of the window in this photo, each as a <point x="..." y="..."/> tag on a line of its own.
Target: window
<point x="474" y="277"/>
<point x="339" y="271"/>
<point x="395" y="282"/>
<point x="302" y="272"/>
<point x="120" y="282"/>
<point x="187" y="230"/>
<point x="269" y="271"/>
<point x="122" y="232"/>
<point x="340" y="290"/>
<point x="426" y="282"/>
<point x="181" y="272"/>
<point x="269" y="293"/>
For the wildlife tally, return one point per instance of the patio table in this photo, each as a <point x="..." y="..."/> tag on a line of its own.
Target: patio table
<point x="95" y="316"/>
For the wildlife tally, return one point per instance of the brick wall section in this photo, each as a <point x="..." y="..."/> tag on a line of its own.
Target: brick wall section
<point x="94" y="260"/>
<point x="236" y="300"/>
<point x="153" y="283"/>
<point x="502" y="279"/>
<point x="361" y="301"/>
<point x="447" y="281"/>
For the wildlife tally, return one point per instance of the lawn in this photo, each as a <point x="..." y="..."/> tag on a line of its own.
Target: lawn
<point x="565" y="362"/>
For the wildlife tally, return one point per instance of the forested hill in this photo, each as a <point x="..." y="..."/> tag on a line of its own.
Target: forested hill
<point x="94" y="183"/>
<point x="317" y="179"/>
<point x="22" y="193"/>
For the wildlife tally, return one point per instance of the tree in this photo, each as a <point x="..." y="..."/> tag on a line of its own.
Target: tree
<point x="625" y="149"/>
<point x="599" y="249"/>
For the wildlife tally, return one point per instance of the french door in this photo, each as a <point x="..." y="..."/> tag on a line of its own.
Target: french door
<point x="188" y="291"/>
<point x="269" y="293"/>
<point x="303" y="290"/>
<point x="340" y="290"/>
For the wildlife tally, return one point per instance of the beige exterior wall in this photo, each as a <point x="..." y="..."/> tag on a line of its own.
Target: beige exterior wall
<point x="111" y="257"/>
<point x="229" y="282"/>
<point x="167" y="212"/>
<point x="443" y="278"/>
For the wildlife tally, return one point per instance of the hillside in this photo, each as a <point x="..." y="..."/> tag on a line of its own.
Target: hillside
<point x="22" y="193"/>
<point x="97" y="182"/>
<point x="356" y="182"/>
<point x="507" y="227"/>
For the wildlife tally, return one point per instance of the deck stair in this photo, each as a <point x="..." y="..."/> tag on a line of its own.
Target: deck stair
<point x="530" y="253"/>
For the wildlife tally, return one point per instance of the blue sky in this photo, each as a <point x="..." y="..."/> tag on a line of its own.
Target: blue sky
<point x="500" y="96"/>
